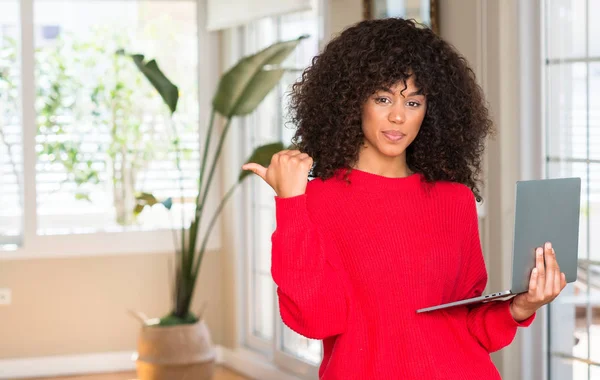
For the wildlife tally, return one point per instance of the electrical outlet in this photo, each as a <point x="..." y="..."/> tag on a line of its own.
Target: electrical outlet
<point x="5" y="296"/>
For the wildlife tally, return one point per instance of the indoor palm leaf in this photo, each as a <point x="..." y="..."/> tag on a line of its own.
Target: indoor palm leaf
<point x="239" y="92"/>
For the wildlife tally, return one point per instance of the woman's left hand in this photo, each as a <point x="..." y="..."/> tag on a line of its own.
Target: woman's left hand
<point x="545" y="284"/>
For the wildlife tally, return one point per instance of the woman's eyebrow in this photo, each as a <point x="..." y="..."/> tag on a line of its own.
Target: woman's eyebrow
<point x="385" y="89"/>
<point x="390" y="91"/>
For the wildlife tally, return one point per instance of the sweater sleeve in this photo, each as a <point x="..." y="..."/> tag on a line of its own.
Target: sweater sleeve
<point x="310" y="288"/>
<point x="491" y="323"/>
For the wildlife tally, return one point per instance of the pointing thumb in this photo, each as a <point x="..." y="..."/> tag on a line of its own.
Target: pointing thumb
<point x="257" y="169"/>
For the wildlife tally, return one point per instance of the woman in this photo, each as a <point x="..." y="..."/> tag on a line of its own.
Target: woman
<point x="396" y="125"/>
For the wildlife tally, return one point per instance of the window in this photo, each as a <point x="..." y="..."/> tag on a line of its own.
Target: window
<point x="11" y="162"/>
<point x="264" y="329"/>
<point x="101" y="134"/>
<point x="572" y="126"/>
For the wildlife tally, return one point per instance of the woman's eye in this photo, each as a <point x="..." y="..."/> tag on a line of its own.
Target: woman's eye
<point x="413" y="104"/>
<point x="382" y="100"/>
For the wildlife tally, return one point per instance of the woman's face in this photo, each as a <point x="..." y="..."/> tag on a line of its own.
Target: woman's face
<point x="391" y="119"/>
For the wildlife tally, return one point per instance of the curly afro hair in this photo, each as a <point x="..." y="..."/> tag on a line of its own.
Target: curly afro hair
<point x="326" y="102"/>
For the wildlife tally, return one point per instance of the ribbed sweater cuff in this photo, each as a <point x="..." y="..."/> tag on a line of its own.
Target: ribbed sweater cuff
<point x="509" y="321"/>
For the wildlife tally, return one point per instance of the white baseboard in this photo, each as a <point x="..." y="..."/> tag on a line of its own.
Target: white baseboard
<point x="66" y="365"/>
<point x="243" y="361"/>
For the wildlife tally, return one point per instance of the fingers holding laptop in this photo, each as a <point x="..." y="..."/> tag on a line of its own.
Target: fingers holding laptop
<point x="554" y="287"/>
<point x="549" y="282"/>
<point x="545" y="284"/>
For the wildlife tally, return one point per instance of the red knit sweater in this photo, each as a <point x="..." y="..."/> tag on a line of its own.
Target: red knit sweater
<point x="353" y="262"/>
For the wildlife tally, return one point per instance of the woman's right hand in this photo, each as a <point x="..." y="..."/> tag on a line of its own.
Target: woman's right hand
<point x="287" y="174"/>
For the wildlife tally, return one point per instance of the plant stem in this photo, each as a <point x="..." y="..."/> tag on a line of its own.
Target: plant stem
<point x="195" y="224"/>
<point x="205" y="153"/>
<point x="212" y="170"/>
<point x="182" y="198"/>
<point x="210" y="227"/>
<point x="200" y="208"/>
<point x="173" y="234"/>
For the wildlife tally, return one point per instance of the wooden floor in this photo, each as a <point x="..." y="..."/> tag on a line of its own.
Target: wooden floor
<point x="221" y="374"/>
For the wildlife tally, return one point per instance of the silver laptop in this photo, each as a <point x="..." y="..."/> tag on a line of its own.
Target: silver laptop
<point x="545" y="210"/>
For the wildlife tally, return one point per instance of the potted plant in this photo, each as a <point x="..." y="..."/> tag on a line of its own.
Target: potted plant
<point x="178" y="345"/>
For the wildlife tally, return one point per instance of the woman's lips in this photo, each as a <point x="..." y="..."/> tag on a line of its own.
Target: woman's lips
<point x="393" y="136"/>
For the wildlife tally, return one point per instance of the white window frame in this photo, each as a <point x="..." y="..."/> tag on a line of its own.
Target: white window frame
<point x="563" y="360"/>
<point x="32" y="245"/>
<point x="271" y="350"/>
<point x="250" y="340"/>
<point x="533" y="340"/>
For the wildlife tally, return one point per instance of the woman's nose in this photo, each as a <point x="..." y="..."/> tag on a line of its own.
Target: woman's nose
<point x="397" y="115"/>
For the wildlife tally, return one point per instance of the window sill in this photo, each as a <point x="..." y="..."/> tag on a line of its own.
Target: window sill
<point x="100" y="244"/>
<point x="252" y="365"/>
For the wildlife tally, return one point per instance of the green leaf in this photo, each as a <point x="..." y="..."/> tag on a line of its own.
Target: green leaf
<point x="262" y="156"/>
<point x="168" y="203"/>
<point x="187" y="153"/>
<point x="138" y="208"/>
<point x="282" y="54"/>
<point x="83" y="196"/>
<point x="260" y="86"/>
<point x="239" y="82"/>
<point x="146" y="199"/>
<point x="166" y="89"/>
